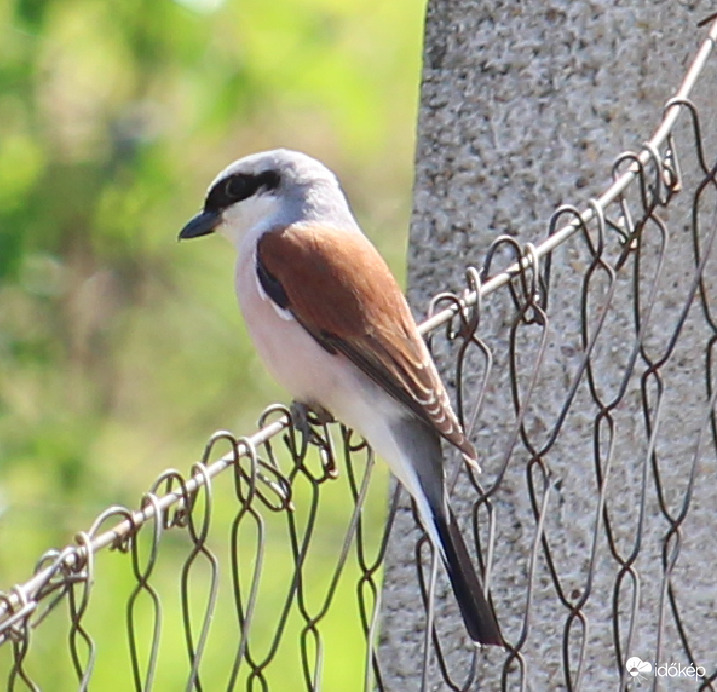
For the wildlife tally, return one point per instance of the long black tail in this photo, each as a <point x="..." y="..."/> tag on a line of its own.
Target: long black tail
<point x="422" y="447"/>
<point x="477" y="613"/>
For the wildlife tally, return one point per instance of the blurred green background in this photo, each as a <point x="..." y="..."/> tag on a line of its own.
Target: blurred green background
<point x="121" y="351"/>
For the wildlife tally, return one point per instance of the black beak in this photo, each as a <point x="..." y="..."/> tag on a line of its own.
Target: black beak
<point x="202" y="224"/>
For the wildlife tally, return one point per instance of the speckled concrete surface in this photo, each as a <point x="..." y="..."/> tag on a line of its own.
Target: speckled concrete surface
<point x="524" y="107"/>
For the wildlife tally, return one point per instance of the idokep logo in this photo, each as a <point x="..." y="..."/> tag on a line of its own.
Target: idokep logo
<point x="638" y="668"/>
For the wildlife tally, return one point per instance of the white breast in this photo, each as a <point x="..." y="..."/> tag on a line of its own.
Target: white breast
<point x="291" y="355"/>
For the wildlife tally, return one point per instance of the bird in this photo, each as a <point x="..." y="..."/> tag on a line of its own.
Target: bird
<point x="333" y="327"/>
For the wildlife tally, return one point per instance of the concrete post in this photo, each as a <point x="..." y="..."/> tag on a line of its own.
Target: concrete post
<point x="524" y="106"/>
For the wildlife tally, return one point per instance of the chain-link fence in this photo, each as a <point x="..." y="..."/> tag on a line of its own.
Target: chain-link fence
<point x="250" y="512"/>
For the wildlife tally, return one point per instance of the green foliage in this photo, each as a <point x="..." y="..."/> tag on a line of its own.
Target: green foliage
<point x="120" y="350"/>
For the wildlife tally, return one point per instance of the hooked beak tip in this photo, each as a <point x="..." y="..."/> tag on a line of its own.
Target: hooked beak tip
<point x="204" y="223"/>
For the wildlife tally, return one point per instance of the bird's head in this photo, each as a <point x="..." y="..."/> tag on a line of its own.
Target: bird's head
<point x="268" y="189"/>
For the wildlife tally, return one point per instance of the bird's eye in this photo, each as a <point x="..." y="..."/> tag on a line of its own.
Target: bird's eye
<point x="236" y="188"/>
<point x="226" y="192"/>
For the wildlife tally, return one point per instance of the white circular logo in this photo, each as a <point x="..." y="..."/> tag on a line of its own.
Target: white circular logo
<point x="636" y="666"/>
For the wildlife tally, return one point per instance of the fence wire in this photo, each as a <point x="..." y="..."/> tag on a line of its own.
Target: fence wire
<point x="542" y="372"/>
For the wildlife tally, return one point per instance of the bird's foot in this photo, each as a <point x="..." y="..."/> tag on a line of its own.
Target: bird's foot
<point x="305" y="416"/>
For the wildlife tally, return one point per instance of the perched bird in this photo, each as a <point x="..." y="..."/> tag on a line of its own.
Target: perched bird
<point x="333" y="327"/>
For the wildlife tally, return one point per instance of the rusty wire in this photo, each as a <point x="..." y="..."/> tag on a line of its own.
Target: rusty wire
<point x="611" y="241"/>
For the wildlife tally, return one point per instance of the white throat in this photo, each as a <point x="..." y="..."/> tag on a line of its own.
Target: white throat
<point x="251" y="217"/>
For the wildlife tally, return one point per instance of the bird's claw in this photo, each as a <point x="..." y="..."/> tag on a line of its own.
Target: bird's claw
<point x="304" y="417"/>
